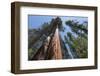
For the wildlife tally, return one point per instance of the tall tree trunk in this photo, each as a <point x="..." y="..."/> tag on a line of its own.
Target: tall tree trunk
<point x="54" y="49"/>
<point x="51" y="49"/>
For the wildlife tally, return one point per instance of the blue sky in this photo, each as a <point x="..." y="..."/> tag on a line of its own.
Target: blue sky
<point x="35" y="21"/>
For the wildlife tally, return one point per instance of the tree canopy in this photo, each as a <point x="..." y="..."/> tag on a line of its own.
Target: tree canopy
<point x="76" y="40"/>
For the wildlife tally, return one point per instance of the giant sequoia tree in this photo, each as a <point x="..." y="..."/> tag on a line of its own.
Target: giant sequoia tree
<point x="46" y="29"/>
<point x="74" y="42"/>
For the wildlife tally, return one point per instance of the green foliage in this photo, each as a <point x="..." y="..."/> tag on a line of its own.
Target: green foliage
<point x="30" y="54"/>
<point x="80" y="45"/>
<point x="78" y="28"/>
<point x="80" y="42"/>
